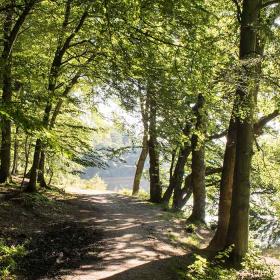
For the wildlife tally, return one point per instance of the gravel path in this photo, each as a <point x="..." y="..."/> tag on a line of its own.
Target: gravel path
<point x="136" y="242"/>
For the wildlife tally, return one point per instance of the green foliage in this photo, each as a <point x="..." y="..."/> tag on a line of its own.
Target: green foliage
<point x="9" y="258"/>
<point x="253" y="267"/>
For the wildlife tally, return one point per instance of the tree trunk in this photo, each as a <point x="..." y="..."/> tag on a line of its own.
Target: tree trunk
<point x="37" y="152"/>
<point x="219" y="239"/>
<point x="27" y="147"/>
<point x="6" y="76"/>
<point x="10" y="34"/>
<point x="145" y="148"/>
<point x="176" y="180"/>
<point x="41" y="170"/>
<point x="198" y="166"/>
<point x="15" y="160"/>
<point x="32" y="185"/>
<point x="178" y="176"/>
<point x="140" y="165"/>
<point x="155" y="184"/>
<point x="238" y="230"/>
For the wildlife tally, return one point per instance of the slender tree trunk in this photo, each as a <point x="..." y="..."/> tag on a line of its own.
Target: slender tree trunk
<point x="144" y="152"/>
<point x="50" y="179"/>
<point x="16" y="145"/>
<point x="198" y="166"/>
<point x="26" y="153"/>
<point x="238" y="230"/>
<point x="155" y="184"/>
<point x="140" y="165"/>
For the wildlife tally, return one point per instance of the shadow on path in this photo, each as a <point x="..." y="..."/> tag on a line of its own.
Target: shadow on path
<point x="136" y="240"/>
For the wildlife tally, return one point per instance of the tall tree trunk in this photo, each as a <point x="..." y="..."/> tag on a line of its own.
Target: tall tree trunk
<point x="219" y="239"/>
<point x="15" y="160"/>
<point x="10" y="34"/>
<point x="6" y="75"/>
<point x="155" y="184"/>
<point x="37" y="153"/>
<point x="140" y="165"/>
<point x="198" y="166"/>
<point x="238" y="230"/>
<point x="144" y="152"/>
<point x="63" y="45"/>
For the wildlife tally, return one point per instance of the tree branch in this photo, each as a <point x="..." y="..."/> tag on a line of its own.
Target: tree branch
<point x="217" y="135"/>
<point x="238" y="10"/>
<point x="15" y="31"/>
<point x="269" y="3"/>
<point x="258" y="126"/>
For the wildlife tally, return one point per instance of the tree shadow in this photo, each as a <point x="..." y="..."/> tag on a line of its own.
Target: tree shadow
<point x="136" y="241"/>
<point x="61" y="248"/>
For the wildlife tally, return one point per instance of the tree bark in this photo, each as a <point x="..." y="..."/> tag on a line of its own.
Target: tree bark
<point x="140" y="165"/>
<point x="155" y="184"/>
<point x="198" y="166"/>
<point x="6" y="76"/>
<point x="15" y="160"/>
<point x="178" y="176"/>
<point x="37" y="152"/>
<point x="31" y="187"/>
<point x="238" y="230"/>
<point x="219" y="239"/>
<point x="26" y="153"/>
<point x="41" y="170"/>
<point x="10" y="33"/>
<point x="145" y="149"/>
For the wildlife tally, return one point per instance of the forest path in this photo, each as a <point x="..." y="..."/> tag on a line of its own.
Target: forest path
<point x="136" y="236"/>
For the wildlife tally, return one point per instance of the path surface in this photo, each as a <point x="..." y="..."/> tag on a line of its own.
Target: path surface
<point x="136" y="242"/>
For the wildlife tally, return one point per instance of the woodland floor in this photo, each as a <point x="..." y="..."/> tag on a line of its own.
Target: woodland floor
<point x="96" y="235"/>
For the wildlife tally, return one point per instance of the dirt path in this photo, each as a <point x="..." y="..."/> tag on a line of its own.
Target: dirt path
<point x="136" y="241"/>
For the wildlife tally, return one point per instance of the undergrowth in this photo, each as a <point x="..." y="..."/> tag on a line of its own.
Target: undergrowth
<point x="253" y="268"/>
<point x="9" y="258"/>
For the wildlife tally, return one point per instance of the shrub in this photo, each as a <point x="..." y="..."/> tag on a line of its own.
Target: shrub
<point x="9" y="256"/>
<point x="253" y="268"/>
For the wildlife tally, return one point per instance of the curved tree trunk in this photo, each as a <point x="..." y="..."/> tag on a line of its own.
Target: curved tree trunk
<point x="145" y="149"/>
<point x="140" y="165"/>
